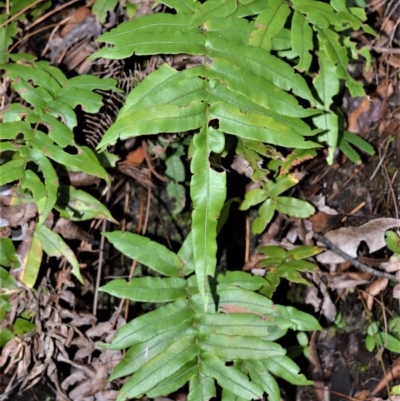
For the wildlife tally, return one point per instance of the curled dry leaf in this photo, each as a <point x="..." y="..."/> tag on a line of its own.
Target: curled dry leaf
<point x="79" y="15"/>
<point x="393" y="265"/>
<point x="374" y="289"/>
<point x="392" y="374"/>
<point x="396" y="291"/>
<point x="349" y="238"/>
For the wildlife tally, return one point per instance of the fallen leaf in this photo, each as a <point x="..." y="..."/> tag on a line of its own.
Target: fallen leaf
<point x="374" y="289"/>
<point x="393" y="265"/>
<point x="135" y="157"/>
<point x="348" y="239"/>
<point x="79" y="15"/>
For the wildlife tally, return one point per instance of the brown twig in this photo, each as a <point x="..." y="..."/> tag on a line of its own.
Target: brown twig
<point x="356" y="263"/>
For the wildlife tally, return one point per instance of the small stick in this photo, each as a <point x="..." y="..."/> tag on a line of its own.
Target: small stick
<point x="356" y="263"/>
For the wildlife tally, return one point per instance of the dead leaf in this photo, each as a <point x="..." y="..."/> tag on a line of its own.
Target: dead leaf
<point x="374" y="289"/>
<point x="393" y="265"/>
<point x="396" y="291"/>
<point x="135" y="157"/>
<point x="323" y="222"/>
<point x="392" y="374"/>
<point x="79" y="15"/>
<point x="348" y="239"/>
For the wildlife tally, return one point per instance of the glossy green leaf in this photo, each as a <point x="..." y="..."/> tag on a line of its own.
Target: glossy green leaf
<point x="181" y="6"/>
<point x="273" y="251"/>
<point x="139" y="354"/>
<point x="58" y="132"/>
<point x="153" y="42"/>
<point x="253" y="197"/>
<point x="229" y="347"/>
<point x="167" y="86"/>
<point x="388" y="341"/>
<point x="207" y="190"/>
<point x="229" y="28"/>
<point x="176" y="315"/>
<point x="302" y="41"/>
<point x="12" y="171"/>
<point x="262" y="63"/>
<point x="158" y="22"/>
<point x="148" y="252"/>
<point x="303" y="252"/>
<point x="32" y="182"/>
<point x="303" y="321"/>
<point x="265" y="214"/>
<point x="282" y="366"/>
<point x="359" y="142"/>
<point x="47" y="201"/>
<point x="239" y="324"/>
<point x="10" y="130"/>
<point x="212" y="9"/>
<point x="281" y="184"/>
<point x="159" y="368"/>
<point x="7" y="258"/>
<point x="101" y="7"/>
<point x="329" y="124"/>
<point x="31" y="260"/>
<point x="91" y="102"/>
<point x="37" y="97"/>
<point x="229" y="299"/>
<point x="229" y="377"/>
<point x="294" y="207"/>
<point x="64" y="112"/>
<point x="238" y="279"/>
<point x="80" y="206"/>
<point x="55" y="72"/>
<point x="80" y="161"/>
<point x="269" y="23"/>
<point x="165" y="118"/>
<point x="220" y="92"/>
<point x="256" y="88"/>
<point x="7" y="33"/>
<point x="55" y="246"/>
<point x="201" y="388"/>
<point x="148" y="289"/>
<point x="27" y="73"/>
<point x="91" y="82"/>
<point x="185" y="253"/>
<point x="256" y="127"/>
<point x="175" y="381"/>
<point x="392" y="241"/>
<point x="325" y="86"/>
<point x="349" y="151"/>
<point x="260" y="375"/>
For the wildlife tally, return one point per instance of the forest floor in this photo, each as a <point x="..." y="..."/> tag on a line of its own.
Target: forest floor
<point x="346" y="300"/>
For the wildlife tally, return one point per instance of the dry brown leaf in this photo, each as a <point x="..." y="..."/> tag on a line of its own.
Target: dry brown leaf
<point x="135" y="157"/>
<point x="393" y="265"/>
<point x="323" y="222"/>
<point x="16" y="215"/>
<point x="328" y="308"/>
<point x="396" y="291"/>
<point x="79" y="15"/>
<point x="349" y="238"/>
<point x="374" y="289"/>
<point x="391" y="374"/>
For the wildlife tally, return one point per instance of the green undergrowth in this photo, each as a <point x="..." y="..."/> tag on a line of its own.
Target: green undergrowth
<point x="268" y="74"/>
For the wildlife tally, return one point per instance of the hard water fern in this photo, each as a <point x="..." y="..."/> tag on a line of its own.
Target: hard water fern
<point x="268" y="73"/>
<point x="233" y="342"/>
